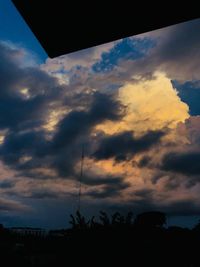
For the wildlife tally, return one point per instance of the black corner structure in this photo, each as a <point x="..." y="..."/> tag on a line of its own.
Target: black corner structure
<point x="67" y="26"/>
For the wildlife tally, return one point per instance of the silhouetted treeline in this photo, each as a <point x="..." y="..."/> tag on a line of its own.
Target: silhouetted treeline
<point x="144" y="240"/>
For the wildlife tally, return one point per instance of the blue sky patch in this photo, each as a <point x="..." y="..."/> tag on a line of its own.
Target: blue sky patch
<point x="189" y="92"/>
<point x="128" y="48"/>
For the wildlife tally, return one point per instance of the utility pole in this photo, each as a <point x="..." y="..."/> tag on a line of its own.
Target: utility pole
<point x="80" y="181"/>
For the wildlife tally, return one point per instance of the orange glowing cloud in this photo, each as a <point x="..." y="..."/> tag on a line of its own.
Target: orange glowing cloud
<point x="151" y="105"/>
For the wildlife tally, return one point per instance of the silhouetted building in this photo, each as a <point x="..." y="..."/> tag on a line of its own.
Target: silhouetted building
<point x="58" y="233"/>
<point x="28" y="231"/>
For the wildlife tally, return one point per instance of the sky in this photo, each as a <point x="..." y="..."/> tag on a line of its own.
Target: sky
<point x="132" y="104"/>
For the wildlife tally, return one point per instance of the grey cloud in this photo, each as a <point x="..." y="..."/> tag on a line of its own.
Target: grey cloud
<point x="44" y="194"/>
<point x="23" y="117"/>
<point x="185" y="163"/>
<point x="110" y="189"/>
<point x="144" y="193"/>
<point x="124" y="145"/>
<point x="16" y="111"/>
<point x="144" y="162"/>
<point x="7" y="184"/>
<point x="176" y="53"/>
<point x="102" y="180"/>
<point x="11" y="205"/>
<point x="17" y="145"/>
<point x="76" y="123"/>
<point x="182" y="42"/>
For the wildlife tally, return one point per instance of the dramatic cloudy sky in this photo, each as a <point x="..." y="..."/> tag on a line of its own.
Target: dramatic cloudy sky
<point x="133" y="104"/>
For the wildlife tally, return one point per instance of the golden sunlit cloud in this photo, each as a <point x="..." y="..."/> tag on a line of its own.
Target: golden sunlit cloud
<point x="2" y="135"/>
<point x="54" y="117"/>
<point x="151" y="105"/>
<point x="24" y="159"/>
<point x="25" y="92"/>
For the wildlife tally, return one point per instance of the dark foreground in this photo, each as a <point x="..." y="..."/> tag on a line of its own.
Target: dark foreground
<point x="113" y="241"/>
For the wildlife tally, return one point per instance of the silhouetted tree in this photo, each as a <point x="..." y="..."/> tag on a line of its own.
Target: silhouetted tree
<point x="104" y="218"/>
<point x="116" y="218"/>
<point x="79" y="222"/>
<point x="196" y="228"/>
<point x="150" y="219"/>
<point x="128" y="219"/>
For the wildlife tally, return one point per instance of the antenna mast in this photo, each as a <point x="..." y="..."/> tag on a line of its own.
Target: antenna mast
<point x="80" y="181"/>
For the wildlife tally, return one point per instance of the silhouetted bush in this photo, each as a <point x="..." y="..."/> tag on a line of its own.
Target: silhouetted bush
<point x="111" y="240"/>
<point x="150" y="219"/>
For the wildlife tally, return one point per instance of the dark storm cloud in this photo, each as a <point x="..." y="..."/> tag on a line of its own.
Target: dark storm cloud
<point x="62" y="152"/>
<point x="17" y="145"/>
<point x="144" y="193"/>
<point x="24" y="116"/>
<point x="24" y="142"/>
<point x="7" y="184"/>
<point x="111" y="189"/>
<point x="16" y="111"/>
<point x="186" y="163"/>
<point x="124" y="145"/>
<point x="101" y="187"/>
<point x="110" y="186"/>
<point x="177" y="51"/>
<point x="144" y="162"/>
<point x="77" y="123"/>
<point x="19" y="115"/>
<point x="182" y="42"/>
<point x="102" y="180"/>
<point x="74" y="130"/>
